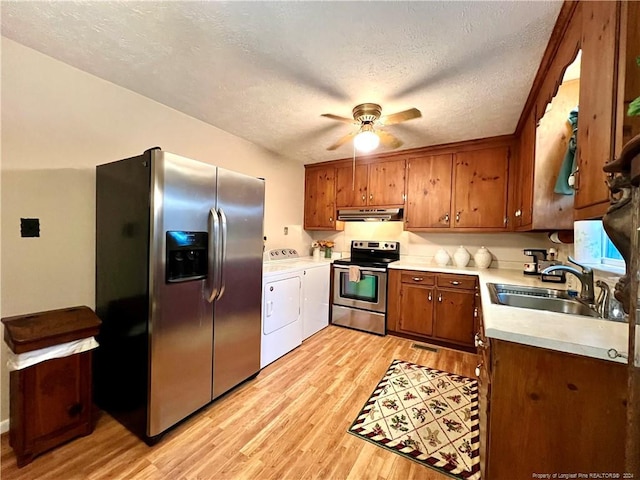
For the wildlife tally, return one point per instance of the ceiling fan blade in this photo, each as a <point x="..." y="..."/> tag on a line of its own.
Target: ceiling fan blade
<point x="400" y="117"/>
<point x="342" y="141"/>
<point x="338" y="118"/>
<point x="388" y="140"/>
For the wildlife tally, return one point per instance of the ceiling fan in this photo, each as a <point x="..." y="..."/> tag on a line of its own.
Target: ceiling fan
<point x="367" y="117"/>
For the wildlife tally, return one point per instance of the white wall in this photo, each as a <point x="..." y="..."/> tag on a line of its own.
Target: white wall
<point x="58" y="123"/>
<point x="505" y="247"/>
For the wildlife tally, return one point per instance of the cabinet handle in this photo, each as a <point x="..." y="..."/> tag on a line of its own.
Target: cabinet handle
<point x="331" y="219"/>
<point x="429" y="297"/>
<point x="417" y="279"/>
<point x="478" y="367"/>
<point x="439" y="297"/>
<point x="454" y="282"/>
<point x="458" y="216"/>
<point x="364" y="197"/>
<point x="371" y="196"/>
<point x="517" y="213"/>
<point x="475" y="312"/>
<point x="446" y="218"/>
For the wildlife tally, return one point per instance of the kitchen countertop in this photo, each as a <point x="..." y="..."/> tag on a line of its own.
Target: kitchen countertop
<point x="580" y="335"/>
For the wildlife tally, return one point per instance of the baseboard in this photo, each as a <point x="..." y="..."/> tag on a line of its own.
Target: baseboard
<point x="4" y="426"/>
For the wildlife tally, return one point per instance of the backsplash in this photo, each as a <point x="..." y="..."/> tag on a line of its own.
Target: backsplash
<point x="506" y="248"/>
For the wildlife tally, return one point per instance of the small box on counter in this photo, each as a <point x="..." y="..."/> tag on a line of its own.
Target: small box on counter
<point x="555" y="277"/>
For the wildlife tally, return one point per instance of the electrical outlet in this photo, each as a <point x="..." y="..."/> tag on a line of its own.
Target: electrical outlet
<point x="29" y="227"/>
<point x="286" y="230"/>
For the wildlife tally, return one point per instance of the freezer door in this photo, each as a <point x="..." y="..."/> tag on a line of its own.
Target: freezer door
<point x="181" y="329"/>
<point x="237" y="316"/>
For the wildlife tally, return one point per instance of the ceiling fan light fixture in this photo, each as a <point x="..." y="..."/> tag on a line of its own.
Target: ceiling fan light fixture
<point x="366" y="140"/>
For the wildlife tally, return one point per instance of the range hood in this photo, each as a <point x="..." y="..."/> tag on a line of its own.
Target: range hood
<point x="369" y="214"/>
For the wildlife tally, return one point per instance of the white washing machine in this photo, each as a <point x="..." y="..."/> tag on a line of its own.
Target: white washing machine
<point x="295" y="302"/>
<point x="281" y="310"/>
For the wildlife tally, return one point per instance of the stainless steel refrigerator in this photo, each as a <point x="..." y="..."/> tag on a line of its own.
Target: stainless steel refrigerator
<point x="178" y="287"/>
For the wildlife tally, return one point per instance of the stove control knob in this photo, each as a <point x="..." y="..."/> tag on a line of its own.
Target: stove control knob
<point x="284" y="252"/>
<point x="386" y="245"/>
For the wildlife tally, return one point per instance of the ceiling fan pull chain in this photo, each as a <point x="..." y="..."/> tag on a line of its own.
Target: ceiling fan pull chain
<point x="353" y="173"/>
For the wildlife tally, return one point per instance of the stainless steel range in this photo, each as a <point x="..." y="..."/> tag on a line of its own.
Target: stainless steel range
<point x="360" y="286"/>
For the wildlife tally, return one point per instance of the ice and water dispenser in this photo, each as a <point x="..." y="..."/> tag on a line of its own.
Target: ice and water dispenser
<point x="186" y="256"/>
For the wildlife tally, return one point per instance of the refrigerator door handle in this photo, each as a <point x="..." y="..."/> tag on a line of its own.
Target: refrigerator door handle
<point x="223" y="248"/>
<point x="214" y="258"/>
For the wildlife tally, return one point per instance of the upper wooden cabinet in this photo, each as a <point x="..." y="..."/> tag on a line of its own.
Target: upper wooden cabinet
<point x="320" y="198"/>
<point x="376" y="184"/>
<point x="429" y="183"/>
<point x="598" y="80"/>
<point x="352" y="192"/>
<point x="608" y="36"/>
<point x="458" y="191"/>
<point x="542" y="150"/>
<point x="480" y="188"/>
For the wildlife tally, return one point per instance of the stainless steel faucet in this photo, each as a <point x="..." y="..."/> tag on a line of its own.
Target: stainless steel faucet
<point x="585" y="275"/>
<point x="603" y="300"/>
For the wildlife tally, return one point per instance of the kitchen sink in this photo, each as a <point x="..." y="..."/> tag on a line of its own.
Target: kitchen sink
<point x="538" y="298"/>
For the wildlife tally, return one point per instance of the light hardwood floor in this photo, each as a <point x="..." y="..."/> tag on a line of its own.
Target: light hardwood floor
<point x="290" y="422"/>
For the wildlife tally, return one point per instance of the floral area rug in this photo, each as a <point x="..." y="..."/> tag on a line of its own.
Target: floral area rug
<point x="426" y="415"/>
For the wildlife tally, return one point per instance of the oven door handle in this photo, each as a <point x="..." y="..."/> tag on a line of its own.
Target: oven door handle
<point x="362" y="269"/>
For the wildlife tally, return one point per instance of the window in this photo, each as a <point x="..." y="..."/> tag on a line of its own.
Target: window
<point x="593" y="246"/>
<point x="610" y="254"/>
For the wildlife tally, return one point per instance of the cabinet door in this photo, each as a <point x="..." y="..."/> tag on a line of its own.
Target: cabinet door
<point x="480" y="198"/>
<point x="523" y="189"/>
<point x="386" y="183"/>
<point x="58" y="393"/>
<point x="417" y="310"/>
<point x="319" y="201"/>
<point x="454" y="316"/>
<point x="429" y="192"/>
<point x="350" y="193"/>
<point x="598" y="81"/>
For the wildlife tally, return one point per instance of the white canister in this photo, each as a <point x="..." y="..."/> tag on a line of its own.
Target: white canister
<point x="483" y="258"/>
<point x="441" y="257"/>
<point x="316" y="254"/>
<point x="461" y="257"/>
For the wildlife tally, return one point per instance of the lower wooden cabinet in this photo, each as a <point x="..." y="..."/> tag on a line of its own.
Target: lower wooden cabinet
<point x="550" y="412"/>
<point x="432" y="306"/>
<point x="50" y="404"/>
<point x="417" y="292"/>
<point x="51" y="401"/>
<point x="483" y="374"/>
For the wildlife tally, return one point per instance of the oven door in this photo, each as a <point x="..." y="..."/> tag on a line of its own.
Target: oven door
<point x="370" y="293"/>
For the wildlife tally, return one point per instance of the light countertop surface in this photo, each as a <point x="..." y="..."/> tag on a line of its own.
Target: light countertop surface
<point x="297" y="263"/>
<point x="587" y="336"/>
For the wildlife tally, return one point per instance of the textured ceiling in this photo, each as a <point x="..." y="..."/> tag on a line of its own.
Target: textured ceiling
<point x="265" y="71"/>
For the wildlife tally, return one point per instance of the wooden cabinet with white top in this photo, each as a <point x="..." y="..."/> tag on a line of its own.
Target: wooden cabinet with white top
<point x="432" y="306"/>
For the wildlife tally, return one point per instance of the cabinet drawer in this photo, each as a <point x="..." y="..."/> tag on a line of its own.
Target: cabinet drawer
<point x="463" y="282"/>
<point x="420" y="278"/>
